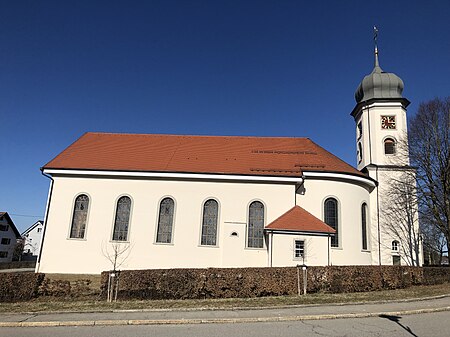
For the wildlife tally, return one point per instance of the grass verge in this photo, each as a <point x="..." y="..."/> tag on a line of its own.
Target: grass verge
<point x="78" y="305"/>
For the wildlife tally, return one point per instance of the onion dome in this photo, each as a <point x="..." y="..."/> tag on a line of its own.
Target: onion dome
<point x="379" y="84"/>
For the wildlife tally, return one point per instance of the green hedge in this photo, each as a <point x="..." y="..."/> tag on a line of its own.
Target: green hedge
<point x="224" y="282"/>
<point x="19" y="286"/>
<point x="257" y="282"/>
<point x="436" y="275"/>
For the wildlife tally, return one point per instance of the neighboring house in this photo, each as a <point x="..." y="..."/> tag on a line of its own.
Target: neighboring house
<point x="32" y="238"/>
<point x="8" y="237"/>
<point x="210" y="201"/>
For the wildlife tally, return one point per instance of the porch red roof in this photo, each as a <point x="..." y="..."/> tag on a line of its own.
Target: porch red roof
<point x="298" y="219"/>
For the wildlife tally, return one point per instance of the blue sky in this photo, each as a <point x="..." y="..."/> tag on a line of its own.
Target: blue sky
<point x="260" y="68"/>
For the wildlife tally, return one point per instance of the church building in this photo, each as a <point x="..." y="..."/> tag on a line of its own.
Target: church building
<point x="149" y="201"/>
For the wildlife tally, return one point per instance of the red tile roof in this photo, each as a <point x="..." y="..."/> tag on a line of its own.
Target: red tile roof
<point x="298" y="219"/>
<point x="279" y="156"/>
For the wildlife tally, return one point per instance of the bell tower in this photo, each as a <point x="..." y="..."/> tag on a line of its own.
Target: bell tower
<point x="382" y="154"/>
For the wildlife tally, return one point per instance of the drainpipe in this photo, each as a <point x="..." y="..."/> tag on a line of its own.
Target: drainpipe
<point x="49" y="198"/>
<point x="270" y="247"/>
<point x="328" y="248"/>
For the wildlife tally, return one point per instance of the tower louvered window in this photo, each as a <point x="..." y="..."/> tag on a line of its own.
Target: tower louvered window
<point x="209" y="223"/>
<point x="255" y="228"/>
<point x="79" y="217"/>
<point x="389" y="146"/>
<point x="165" y="221"/>
<point x="122" y="219"/>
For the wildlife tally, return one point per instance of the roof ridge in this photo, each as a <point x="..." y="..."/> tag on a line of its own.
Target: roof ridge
<point x="185" y="135"/>
<point x="282" y="215"/>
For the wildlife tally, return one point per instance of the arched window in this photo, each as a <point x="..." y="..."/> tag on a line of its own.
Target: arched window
<point x="165" y="221"/>
<point x="389" y="146"/>
<point x="122" y="219"/>
<point x="79" y="217"/>
<point x="364" y="225"/>
<point x="331" y="219"/>
<point x="209" y="223"/>
<point x="255" y="229"/>
<point x="395" y="245"/>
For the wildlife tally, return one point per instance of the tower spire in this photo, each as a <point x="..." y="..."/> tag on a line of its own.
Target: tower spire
<point x="375" y="40"/>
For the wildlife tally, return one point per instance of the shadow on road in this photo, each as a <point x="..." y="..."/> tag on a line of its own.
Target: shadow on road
<point x="396" y="319"/>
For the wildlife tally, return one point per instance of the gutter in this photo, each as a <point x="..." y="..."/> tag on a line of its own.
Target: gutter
<point x="47" y="208"/>
<point x="297" y="232"/>
<point x="356" y="179"/>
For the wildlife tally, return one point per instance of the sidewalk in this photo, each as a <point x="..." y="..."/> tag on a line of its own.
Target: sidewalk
<point x="245" y="315"/>
<point x="18" y="270"/>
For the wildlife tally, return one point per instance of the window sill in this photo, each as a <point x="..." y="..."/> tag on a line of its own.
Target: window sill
<point x="77" y="239"/>
<point x="117" y="241"/>
<point x="163" y="243"/>
<point x="254" y="248"/>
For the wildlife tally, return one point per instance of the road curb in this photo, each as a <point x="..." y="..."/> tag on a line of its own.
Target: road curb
<point x="218" y="320"/>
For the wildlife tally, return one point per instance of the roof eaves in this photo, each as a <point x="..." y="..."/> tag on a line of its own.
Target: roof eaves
<point x="293" y="231"/>
<point x="218" y="174"/>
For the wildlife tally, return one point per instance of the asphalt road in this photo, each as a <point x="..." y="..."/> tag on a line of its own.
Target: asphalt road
<point x="430" y="324"/>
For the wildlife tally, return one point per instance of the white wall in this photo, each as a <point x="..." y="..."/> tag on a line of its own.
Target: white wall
<point x="373" y="134"/>
<point x="61" y="254"/>
<point x="33" y="239"/>
<point x="316" y="250"/>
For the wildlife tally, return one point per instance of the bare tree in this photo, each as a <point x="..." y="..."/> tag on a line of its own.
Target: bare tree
<point x="434" y="243"/>
<point x="429" y="147"/>
<point x="117" y="253"/>
<point x="400" y="215"/>
<point x="18" y="250"/>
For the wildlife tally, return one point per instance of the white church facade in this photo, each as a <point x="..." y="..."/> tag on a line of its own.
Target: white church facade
<point x="171" y="201"/>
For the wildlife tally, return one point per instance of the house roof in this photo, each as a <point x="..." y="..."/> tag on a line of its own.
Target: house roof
<point x="33" y="226"/>
<point x="272" y="156"/>
<point x="11" y="223"/>
<point x="298" y="219"/>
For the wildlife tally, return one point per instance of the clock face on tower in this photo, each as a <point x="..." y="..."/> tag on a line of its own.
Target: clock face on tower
<point x="388" y="122"/>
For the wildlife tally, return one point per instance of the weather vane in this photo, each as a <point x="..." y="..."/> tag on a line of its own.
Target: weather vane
<point x="375" y="37"/>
